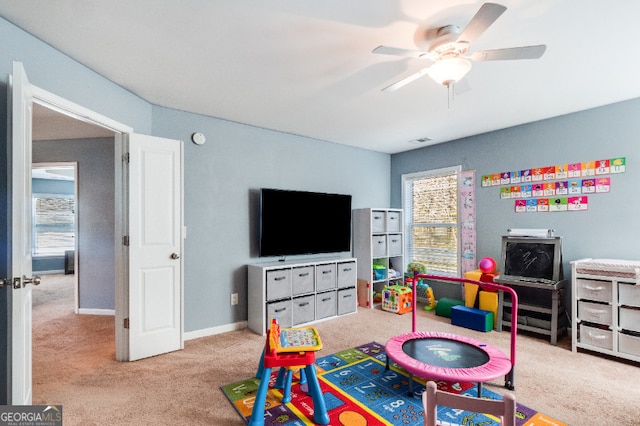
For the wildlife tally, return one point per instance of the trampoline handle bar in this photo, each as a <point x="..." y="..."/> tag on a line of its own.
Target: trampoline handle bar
<point x="484" y="286"/>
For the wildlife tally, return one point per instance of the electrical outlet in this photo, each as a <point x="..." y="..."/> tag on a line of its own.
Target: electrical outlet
<point x="234" y="298"/>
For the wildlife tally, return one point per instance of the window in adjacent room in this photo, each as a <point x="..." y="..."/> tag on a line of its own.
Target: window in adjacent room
<point x="54" y="210"/>
<point x="430" y="202"/>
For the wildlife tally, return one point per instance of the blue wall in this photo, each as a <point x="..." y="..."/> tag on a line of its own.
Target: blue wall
<point x="610" y="227"/>
<point x="222" y="179"/>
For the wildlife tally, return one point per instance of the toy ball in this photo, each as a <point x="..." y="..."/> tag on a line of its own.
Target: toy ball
<point x="487" y="265"/>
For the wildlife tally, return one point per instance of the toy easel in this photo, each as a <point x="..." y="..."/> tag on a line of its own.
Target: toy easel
<point x="290" y="348"/>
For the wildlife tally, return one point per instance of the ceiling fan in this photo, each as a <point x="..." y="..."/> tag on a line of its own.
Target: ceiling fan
<point x="449" y="52"/>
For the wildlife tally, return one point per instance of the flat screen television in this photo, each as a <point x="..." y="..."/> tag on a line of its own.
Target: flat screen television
<point x="300" y="222"/>
<point x="531" y="259"/>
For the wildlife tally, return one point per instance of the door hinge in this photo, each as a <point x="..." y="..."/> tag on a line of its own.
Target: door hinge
<point x="17" y="283"/>
<point x="126" y="323"/>
<point x="125" y="157"/>
<point x="125" y="240"/>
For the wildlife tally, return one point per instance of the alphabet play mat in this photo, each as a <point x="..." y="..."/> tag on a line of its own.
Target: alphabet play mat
<point x="359" y="391"/>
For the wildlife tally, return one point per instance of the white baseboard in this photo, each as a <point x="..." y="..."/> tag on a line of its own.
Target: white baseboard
<point x="215" y="330"/>
<point x="83" y="311"/>
<point x="188" y="335"/>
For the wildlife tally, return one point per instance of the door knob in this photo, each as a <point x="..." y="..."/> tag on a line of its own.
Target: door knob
<point x="35" y="280"/>
<point x="175" y="256"/>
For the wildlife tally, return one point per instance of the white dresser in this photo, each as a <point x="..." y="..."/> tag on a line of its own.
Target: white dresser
<point x="606" y="307"/>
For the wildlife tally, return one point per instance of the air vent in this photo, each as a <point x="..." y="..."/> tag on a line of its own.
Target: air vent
<point x="421" y="140"/>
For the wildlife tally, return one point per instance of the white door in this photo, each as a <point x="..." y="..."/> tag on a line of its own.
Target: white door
<point x="21" y="107"/>
<point x="155" y="246"/>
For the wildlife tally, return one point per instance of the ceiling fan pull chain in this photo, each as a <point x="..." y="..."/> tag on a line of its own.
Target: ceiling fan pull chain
<point x="450" y="93"/>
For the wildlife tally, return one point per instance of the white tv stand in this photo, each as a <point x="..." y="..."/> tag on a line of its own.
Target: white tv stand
<point x="300" y="292"/>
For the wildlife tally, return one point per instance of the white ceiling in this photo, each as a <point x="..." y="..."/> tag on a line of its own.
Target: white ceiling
<point x="306" y="67"/>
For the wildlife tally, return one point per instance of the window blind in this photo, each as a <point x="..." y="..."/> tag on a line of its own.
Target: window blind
<point x="431" y="212"/>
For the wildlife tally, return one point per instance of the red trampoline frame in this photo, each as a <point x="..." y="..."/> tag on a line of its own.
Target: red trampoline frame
<point x="498" y="365"/>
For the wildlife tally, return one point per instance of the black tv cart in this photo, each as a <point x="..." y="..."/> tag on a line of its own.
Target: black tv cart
<point x="541" y="307"/>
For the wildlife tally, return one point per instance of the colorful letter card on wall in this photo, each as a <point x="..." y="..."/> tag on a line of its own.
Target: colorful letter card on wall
<point x="577" y="203"/>
<point x="618" y="165"/>
<point x="558" y="205"/>
<point x="543" y="205"/>
<point x="603" y="184"/>
<point x="574" y="170"/>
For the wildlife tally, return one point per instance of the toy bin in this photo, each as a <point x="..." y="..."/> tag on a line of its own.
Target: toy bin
<point x="379" y="272"/>
<point x="397" y="299"/>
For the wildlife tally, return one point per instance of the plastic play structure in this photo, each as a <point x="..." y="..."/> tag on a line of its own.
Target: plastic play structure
<point x="446" y="356"/>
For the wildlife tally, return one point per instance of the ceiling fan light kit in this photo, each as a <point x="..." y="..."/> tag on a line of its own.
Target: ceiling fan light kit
<point x="449" y="70"/>
<point x="449" y="51"/>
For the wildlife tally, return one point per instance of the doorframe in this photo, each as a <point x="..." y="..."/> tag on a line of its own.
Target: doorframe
<point x="121" y="132"/>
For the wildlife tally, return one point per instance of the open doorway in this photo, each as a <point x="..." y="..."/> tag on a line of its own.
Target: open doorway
<point x="146" y="157"/>
<point x="66" y="150"/>
<point x="59" y="138"/>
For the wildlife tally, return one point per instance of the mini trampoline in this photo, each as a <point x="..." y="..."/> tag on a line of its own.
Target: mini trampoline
<point x="446" y="356"/>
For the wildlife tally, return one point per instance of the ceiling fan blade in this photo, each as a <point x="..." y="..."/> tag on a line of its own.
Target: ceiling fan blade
<point x="486" y="15"/>
<point x="523" y="52"/>
<point x="405" y="81"/>
<point x="396" y="51"/>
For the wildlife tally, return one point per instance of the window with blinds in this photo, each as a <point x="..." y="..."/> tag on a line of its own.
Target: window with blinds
<point x="430" y="202"/>
<point x="53" y="224"/>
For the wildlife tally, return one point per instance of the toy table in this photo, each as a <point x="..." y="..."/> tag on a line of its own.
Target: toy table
<point x="289" y="348"/>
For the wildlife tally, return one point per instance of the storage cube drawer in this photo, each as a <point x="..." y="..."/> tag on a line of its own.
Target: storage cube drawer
<point x="630" y="319"/>
<point x="278" y="284"/>
<point x="326" y="277"/>
<point x="596" y="337"/>
<point x="280" y="310"/>
<point x="393" y="222"/>
<point x="395" y="244"/>
<point x="378" y="221"/>
<point x="325" y="304"/>
<point x="304" y="309"/>
<point x="594" y="290"/>
<point x="347" y="301"/>
<point x="379" y="245"/>
<point x="302" y="280"/>
<point x="629" y="294"/>
<point x="346" y="274"/>
<point x="629" y="344"/>
<point x="595" y="312"/>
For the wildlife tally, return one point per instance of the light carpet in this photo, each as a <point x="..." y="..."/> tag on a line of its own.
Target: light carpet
<point x="358" y="390"/>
